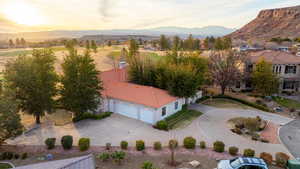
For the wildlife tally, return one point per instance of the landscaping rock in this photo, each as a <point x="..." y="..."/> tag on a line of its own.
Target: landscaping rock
<point x="194" y="163"/>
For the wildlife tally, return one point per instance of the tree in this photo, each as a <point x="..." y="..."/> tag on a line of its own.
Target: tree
<point x="94" y="46"/>
<point x="133" y="48"/>
<point x="164" y="43"/>
<point x="81" y="87"/>
<point x="10" y="121"/>
<point x="87" y="45"/>
<point x="109" y="43"/>
<point x="17" y="42"/>
<point x="224" y="68"/>
<point x="33" y="79"/>
<point x="11" y="43"/>
<point x="176" y="43"/>
<point x="263" y="78"/>
<point x="23" y="42"/>
<point x="190" y="43"/>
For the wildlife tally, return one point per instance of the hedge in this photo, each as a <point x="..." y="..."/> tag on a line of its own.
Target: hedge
<point x="257" y="106"/>
<point x="67" y="142"/>
<point x="84" y="144"/>
<point x="92" y="116"/>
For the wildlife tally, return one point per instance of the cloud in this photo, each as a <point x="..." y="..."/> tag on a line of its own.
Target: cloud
<point x="105" y="9"/>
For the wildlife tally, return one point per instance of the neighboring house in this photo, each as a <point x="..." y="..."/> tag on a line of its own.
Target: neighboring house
<point x="84" y="162"/>
<point x="285" y="65"/>
<point x="145" y="103"/>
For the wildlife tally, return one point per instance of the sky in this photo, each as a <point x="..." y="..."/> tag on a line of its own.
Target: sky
<point x="38" y="15"/>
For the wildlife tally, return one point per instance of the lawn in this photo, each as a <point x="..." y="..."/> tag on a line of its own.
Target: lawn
<point x="225" y="103"/>
<point x="288" y="103"/>
<point x="182" y="118"/>
<point x="15" y="53"/>
<point x="5" y="166"/>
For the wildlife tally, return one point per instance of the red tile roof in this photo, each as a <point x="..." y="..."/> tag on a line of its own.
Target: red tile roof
<point x="275" y="57"/>
<point x="116" y="86"/>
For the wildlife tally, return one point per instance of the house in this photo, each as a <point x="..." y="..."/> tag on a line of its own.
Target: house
<point x="145" y="103"/>
<point x="285" y="65"/>
<point x="84" y="162"/>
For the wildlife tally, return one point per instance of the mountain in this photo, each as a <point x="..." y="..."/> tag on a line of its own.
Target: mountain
<point x="281" y="22"/>
<point x="181" y="31"/>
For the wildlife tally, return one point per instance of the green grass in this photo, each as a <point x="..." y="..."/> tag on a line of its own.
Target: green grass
<point x="5" y="166"/>
<point x="152" y="55"/>
<point x="288" y="103"/>
<point x="15" y="53"/>
<point x="182" y="118"/>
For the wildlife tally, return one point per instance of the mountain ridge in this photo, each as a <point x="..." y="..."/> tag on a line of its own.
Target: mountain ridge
<point x="170" y="30"/>
<point x="270" y="23"/>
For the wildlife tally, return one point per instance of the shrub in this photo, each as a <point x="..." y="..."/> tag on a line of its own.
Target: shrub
<point x="252" y="124"/>
<point x="267" y="157"/>
<point x="67" y="142"/>
<point x="124" y="145"/>
<point x="24" y="156"/>
<point x="157" y="145"/>
<point x="233" y="150"/>
<point x="189" y="142"/>
<point x="237" y="131"/>
<point x="162" y="125"/>
<point x="84" y="144"/>
<point x="255" y="136"/>
<point x="219" y="146"/>
<point x="108" y="146"/>
<point x="202" y="144"/>
<point x="16" y="156"/>
<point x="9" y="155"/>
<point x="104" y="156"/>
<point x="249" y="153"/>
<point x="264" y="140"/>
<point x="147" y="165"/>
<point x="281" y="159"/>
<point x="140" y="145"/>
<point x="50" y="143"/>
<point x="173" y="143"/>
<point x="118" y="156"/>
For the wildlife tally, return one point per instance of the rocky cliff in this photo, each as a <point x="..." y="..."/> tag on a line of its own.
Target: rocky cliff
<point x="281" y="22"/>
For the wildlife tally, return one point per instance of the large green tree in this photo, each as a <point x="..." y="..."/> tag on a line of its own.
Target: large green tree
<point x="10" y="121"/>
<point x="164" y="42"/>
<point x="81" y="86"/>
<point x="33" y="79"/>
<point x="263" y="78"/>
<point x="94" y="46"/>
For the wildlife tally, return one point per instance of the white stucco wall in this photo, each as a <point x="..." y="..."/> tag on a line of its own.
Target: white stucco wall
<point x="147" y="114"/>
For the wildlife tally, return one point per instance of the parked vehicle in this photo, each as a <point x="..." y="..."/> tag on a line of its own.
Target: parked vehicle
<point x="243" y="163"/>
<point x="294" y="164"/>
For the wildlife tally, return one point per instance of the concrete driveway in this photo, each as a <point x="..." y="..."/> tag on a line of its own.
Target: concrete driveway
<point x="211" y="126"/>
<point x="290" y="137"/>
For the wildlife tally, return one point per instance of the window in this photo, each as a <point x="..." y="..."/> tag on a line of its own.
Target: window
<point x="288" y="85"/>
<point x="249" y="68"/>
<point x="238" y="85"/>
<point x="290" y="69"/>
<point x="176" y="105"/>
<point x="163" y="111"/>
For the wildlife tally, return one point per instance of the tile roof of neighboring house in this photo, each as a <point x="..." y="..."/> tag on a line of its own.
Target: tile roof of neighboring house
<point x="275" y="57"/>
<point x="84" y="162"/>
<point x="116" y="86"/>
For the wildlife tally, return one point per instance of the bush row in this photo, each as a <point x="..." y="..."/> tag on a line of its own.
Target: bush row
<point x="11" y="155"/>
<point x="188" y="142"/>
<point x="67" y="143"/>
<point x="92" y="116"/>
<point x="257" y="106"/>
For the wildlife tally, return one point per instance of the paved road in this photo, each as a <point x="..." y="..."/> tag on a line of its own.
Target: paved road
<point x="211" y="126"/>
<point x="290" y="137"/>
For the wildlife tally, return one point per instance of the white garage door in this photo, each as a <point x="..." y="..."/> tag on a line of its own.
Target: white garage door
<point x="146" y="116"/>
<point x="126" y="109"/>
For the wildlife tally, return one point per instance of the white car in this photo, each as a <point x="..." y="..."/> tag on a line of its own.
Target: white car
<point x="243" y="163"/>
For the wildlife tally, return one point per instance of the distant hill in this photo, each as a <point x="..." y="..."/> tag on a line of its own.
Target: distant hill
<point x="181" y="31"/>
<point x="281" y="22"/>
